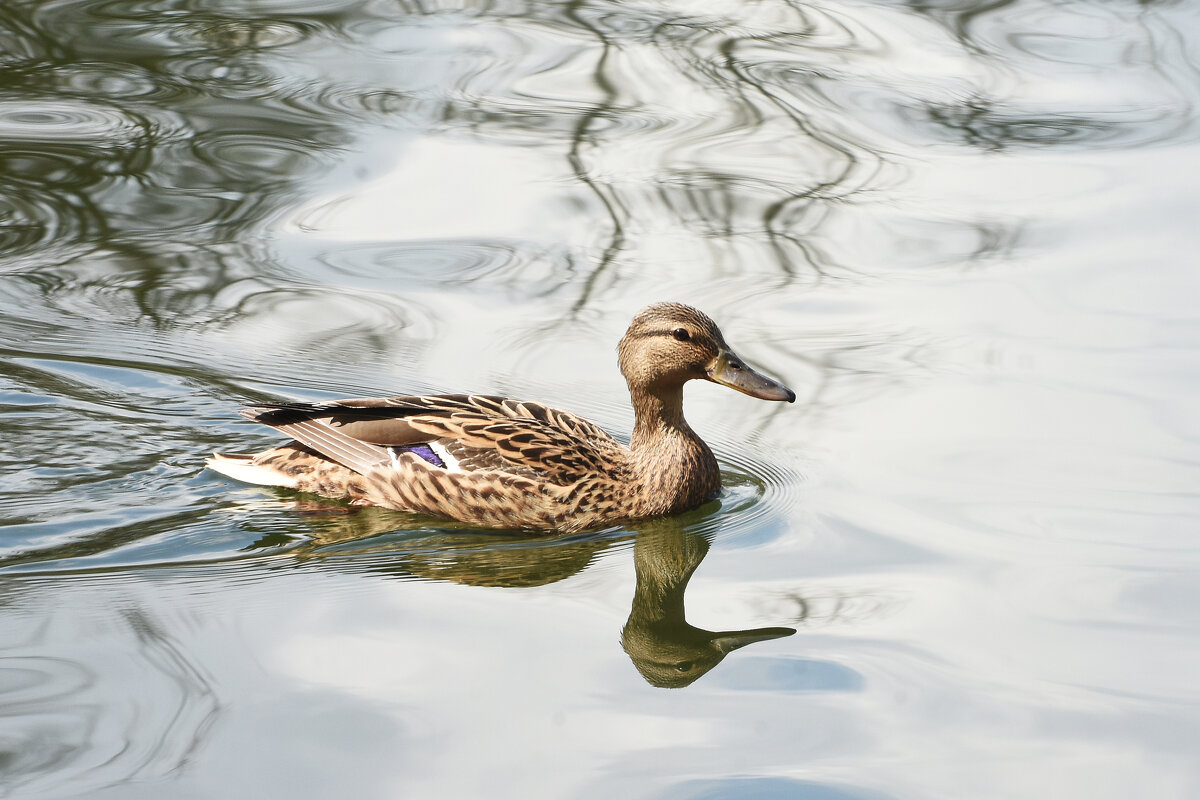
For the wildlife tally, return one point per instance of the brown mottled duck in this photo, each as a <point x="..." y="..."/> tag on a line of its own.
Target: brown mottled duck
<point x="495" y="462"/>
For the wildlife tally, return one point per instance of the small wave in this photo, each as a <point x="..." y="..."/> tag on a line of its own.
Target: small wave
<point x="349" y="99"/>
<point x="999" y="124"/>
<point x="278" y="331"/>
<point x="61" y="120"/>
<point x="219" y="76"/>
<point x="35" y="224"/>
<point x="91" y="706"/>
<point x="758" y="492"/>
<point x="253" y="158"/>
<point x="118" y="82"/>
<point x="432" y="263"/>
<point x="239" y="34"/>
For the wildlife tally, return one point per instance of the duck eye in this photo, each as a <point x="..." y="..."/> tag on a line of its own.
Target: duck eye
<point x="681" y="334"/>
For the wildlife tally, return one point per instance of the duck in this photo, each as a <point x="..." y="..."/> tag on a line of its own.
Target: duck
<point x="495" y="462"/>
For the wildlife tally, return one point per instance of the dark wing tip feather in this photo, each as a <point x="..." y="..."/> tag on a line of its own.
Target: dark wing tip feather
<point x="286" y="413"/>
<point x="281" y="413"/>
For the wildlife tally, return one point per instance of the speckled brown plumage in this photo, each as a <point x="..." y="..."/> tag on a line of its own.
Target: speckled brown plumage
<point x="513" y="464"/>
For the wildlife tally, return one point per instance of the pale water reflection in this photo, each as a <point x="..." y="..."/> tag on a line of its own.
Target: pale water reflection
<point x="964" y="232"/>
<point x="117" y="686"/>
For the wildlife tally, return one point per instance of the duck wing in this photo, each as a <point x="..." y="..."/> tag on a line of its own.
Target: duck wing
<point x="480" y="433"/>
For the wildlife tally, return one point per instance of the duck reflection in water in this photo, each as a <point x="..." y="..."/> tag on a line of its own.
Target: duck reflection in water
<point x="665" y="648"/>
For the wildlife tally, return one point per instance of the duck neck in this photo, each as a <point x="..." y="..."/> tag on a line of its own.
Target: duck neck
<point x="674" y="466"/>
<point x="658" y="414"/>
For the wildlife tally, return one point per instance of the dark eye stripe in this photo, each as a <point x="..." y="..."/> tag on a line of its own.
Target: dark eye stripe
<point x="644" y="334"/>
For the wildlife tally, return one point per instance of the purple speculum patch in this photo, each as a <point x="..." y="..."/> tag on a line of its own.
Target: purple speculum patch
<point x="425" y="452"/>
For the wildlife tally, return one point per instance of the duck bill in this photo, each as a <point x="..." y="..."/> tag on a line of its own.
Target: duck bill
<point x="729" y="370"/>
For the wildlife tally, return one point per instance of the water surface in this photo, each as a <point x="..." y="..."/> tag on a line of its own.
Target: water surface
<point x="963" y="232"/>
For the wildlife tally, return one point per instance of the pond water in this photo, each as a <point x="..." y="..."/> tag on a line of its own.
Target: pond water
<point x="964" y="564"/>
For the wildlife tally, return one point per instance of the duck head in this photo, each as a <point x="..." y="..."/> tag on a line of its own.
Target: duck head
<point x="668" y="344"/>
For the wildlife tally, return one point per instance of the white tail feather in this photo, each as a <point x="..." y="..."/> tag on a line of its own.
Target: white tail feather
<point x="241" y="468"/>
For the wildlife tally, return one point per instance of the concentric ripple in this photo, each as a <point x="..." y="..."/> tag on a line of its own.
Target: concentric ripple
<point x="37" y="223"/>
<point x="118" y="82"/>
<point x="55" y="120"/>
<point x="113" y="700"/>
<point x="759" y="491"/>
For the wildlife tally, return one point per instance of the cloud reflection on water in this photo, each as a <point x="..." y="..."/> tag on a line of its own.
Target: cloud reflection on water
<point x="97" y="698"/>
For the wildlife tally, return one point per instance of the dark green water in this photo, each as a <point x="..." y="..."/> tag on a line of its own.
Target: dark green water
<point x="963" y="232"/>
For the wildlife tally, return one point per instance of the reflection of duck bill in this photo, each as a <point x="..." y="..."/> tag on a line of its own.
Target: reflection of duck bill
<point x="728" y="641"/>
